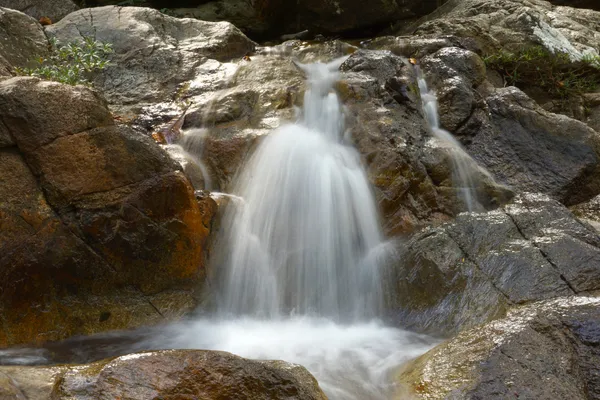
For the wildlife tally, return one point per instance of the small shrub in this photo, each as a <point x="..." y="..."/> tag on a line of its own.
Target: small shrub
<point x="71" y="63"/>
<point x="555" y="73"/>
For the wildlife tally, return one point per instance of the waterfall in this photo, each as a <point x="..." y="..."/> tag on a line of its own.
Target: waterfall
<point x="297" y="265"/>
<point x="306" y="239"/>
<point x="463" y="166"/>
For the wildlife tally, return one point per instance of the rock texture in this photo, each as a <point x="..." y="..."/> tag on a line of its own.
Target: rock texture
<point x="548" y="350"/>
<point x="21" y="40"/>
<point x="269" y="18"/>
<point x="100" y="229"/>
<point x="171" y="374"/>
<point x="472" y="270"/>
<point x="154" y="53"/>
<point x="517" y="23"/>
<point x="53" y="9"/>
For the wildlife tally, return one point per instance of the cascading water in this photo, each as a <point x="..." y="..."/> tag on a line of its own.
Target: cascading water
<point x="301" y="256"/>
<point x="463" y="166"/>
<point x="301" y="242"/>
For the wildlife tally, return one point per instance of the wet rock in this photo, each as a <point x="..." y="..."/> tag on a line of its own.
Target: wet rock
<point x="390" y="131"/>
<point x="547" y="350"/>
<point x="53" y="9"/>
<point x="154" y="53"/>
<point x="168" y="374"/>
<point x="516" y="24"/>
<point x="21" y="40"/>
<point x="533" y="150"/>
<point x="100" y="229"/>
<point x="471" y="270"/>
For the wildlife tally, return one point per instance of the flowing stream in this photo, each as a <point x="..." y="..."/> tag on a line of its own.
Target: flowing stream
<point x="463" y="166"/>
<point x="298" y="267"/>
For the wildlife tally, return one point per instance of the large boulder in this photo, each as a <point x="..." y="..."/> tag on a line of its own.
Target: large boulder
<point x="153" y="53"/>
<point x="274" y="17"/>
<point x="52" y="9"/>
<point x="517" y="23"/>
<point x="472" y="270"/>
<point x="100" y="229"/>
<point x="21" y="40"/>
<point x="172" y="374"/>
<point x="547" y="350"/>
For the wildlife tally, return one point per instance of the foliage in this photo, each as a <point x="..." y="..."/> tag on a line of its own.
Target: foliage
<point x="71" y="63"/>
<point x="555" y="73"/>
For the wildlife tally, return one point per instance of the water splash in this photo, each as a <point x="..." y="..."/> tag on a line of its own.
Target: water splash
<point x="463" y="166"/>
<point x="301" y="242"/>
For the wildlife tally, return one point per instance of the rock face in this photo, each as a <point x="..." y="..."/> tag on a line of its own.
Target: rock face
<point x="472" y="270"/>
<point x="534" y="150"/>
<point x="165" y="374"/>
<point x="53" y="9"/>
<point x="154" y="53"/>
<point x="548" y="350"/>
<point x="94" y="215"/>
<point x="275" y="17"/>
<point x="517" y="23"/>
<point x="21" y="40"/>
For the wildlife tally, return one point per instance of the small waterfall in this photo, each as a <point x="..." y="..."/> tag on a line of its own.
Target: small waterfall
<point x="463" y="166"/>
<point x="304" y="239"/>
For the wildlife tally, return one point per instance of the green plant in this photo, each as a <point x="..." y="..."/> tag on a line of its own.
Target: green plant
<point x="555" y="73"/>
<point x="71" y="63"/>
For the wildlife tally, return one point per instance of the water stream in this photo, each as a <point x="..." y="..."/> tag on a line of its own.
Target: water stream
<point x="463" y="166"/>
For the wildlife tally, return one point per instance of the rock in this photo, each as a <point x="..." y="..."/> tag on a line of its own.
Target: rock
<point x="239" y="12"/>
<point x="55" y="10"/>
<point x="21" y="40"/>
<point x="534" y="150"/>
<point x="547" y="350"/>
<point x="100" y="229"/>
<point x="517" y="23"/>
<point x="472" y="270"/>
<point x="270" y="18"/>
<point x="390" y="131"/>
<point x="154" y="53"/>
<point x="168" y="374"/>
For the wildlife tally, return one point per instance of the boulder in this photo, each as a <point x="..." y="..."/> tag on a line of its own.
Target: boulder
<point x="472" y="270"/>
<point x="517" y="24"/>
<point x="21" y="40"/>
<point x="100" y="229"/>
<point x="546" y="350"/>
<point x="181" y="374"/>
<point x="55" y="10"/>
<point x="153" y="52"/>
<point x="268" y="18"/>
<point x="531" y="149"/>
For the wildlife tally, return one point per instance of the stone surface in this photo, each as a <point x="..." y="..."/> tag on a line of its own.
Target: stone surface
<point x="153" y="53"/>
<point x="171" y="374"/>
<point x="270" y="18"/>
<point x="533" y="150"/>
<point x="21" y="40"/>
<point x="53" y="9"/>
<point x="547" y="350"/>
<point x="517" y="23"/>
<point x="472" y="270"/>
<point x="100" y="229"/>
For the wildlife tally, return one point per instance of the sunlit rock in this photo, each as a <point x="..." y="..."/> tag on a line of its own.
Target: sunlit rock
<point x="100" y="229"/>
<point x="544" y="350"/>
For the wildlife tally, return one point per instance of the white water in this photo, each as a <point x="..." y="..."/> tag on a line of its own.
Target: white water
<point x="463" y="166"/>
<point x="299" y="275"/>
